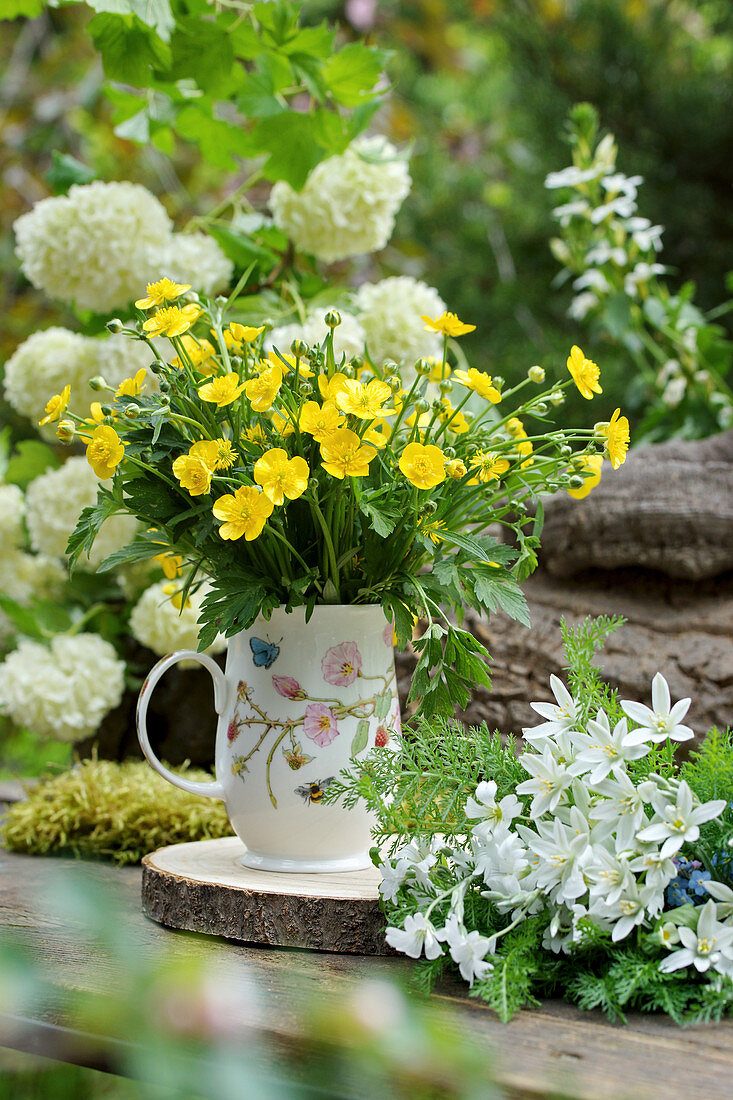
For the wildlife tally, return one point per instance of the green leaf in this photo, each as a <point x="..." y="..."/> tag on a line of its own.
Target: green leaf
<point x="289" y="138"/>
<point x="382" y="704"/>
<point x="352" y="73"/>
<point x="12" y="9"/>
<point x="66" y="170"/>
<point x="500" y="594"/>
<point x="242" y="249"/>
<point x="221" y="143"/>
<point x="138" y="550"/>
<point x="5" y="443"/>
<point x="130" y="50"/>
<point x="361" y="737"/>
<point x="31" y="459"/>
<point x="151" y="502"/>
<point x="23" y="618"/>
<point x="153" y="13"/>
<point x="135" y="128"/>
<point x="91" y="519"/>
<point x="474" y="547"/>
<point x="382" y="516"/>
<point x="202" y="50"/>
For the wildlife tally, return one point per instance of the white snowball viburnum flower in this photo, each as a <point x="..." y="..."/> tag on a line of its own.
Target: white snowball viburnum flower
<point x="49" y="360"/>
<point x="663" y="720"/>
<point x="95" y="247"/>
<point x="197" y="260"/>
<point x="391" y="313"/>
<point x="348" y="204"/>
<point x="348" y="337"/>
<point x="54" y="502"/>
<point x="24" y="576"/>
<point x="12" y="512"/>
<point x="64" y="690"/>
<point x="156" y="621"/>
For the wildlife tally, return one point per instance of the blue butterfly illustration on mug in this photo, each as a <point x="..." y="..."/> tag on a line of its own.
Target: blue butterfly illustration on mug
<point x="264" y="653"/>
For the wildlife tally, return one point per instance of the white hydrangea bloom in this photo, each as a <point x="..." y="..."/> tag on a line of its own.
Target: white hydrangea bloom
<point x="196" y="259"/>
<point x="49" y="360"/>
<point x="62" y="691"/>
<point x="12" y="511"/>
<point x="54" y="502"/>
<point x="24" y="577"/>
<point x="156" y="623"/>
<point x="348" y="204"/>
<point x="391" y="313"/>
<point x="348" y="337"/>
<point x="96" y="247"/>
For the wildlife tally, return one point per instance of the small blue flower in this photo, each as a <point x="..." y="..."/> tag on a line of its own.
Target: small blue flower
<point x="697" y="878"/>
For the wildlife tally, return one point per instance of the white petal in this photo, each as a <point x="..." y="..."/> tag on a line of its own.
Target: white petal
<point x="661" y="700"/>
<point x="637" y="712"/>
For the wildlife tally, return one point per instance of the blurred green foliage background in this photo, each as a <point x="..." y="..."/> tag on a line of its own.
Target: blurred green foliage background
<point x="481" y="89"/>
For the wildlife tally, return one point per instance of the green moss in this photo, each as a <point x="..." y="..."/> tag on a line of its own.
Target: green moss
<point x="103" y="810"/>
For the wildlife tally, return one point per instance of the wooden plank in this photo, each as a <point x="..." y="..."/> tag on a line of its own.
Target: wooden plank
<point x="203" y="886"/>
<point x="553" y="1048"/>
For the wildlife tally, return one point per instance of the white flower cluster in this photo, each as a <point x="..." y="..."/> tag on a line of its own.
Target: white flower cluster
<point x="12" y="514"/>
<point x="391" y="313"/>
<point x="49" y="360"/>
<point x="54" y="502"/>
<point x="348" y="204"/>
<point x="98" y="246"/>
<point x="23" y="576"/>
<point x="64" y="690"/>
<point x="593" y="846"/>
<point x="158" y="624"/>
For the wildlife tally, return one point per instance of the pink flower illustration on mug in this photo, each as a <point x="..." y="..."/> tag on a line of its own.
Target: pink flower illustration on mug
<point x="388" y="635"/>
<point x="319" y="724"/>
<point x="341" y="664"/>
<point x="288" y="687"/>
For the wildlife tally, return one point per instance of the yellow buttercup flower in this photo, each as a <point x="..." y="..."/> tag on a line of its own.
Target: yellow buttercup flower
<point x="364" y="400"/>
<point x="200" y="353"/>
<point x="172" y="320"/>
<point x="193" y="473"/>
<point x="584" y="373"/>
<point x="226" y="456"/>
<point x="447" y="324"/>
<point x="515" y="427"/>
<point x="56" y="407"/>
<point x="131" y="387"/>
<point x="262" y="390"/>
<point x="171" y="564"/>
<point x="281" y="476"/>
<point x="96" y="412"/>
<point x="176" y="595"/>
<point x="320" y="421"/>
<point x="433" y="530"/>
<point x="286" y="364"/>
<point x="207" y="450"/>
<point x="105" y="451"/>
<point x="244" y="512"/>
<point x="163" y="291"/>
<point x="423" y="466"/>
<point x="439" y="371"/>
<point x="344" y="454"/>
<point x="616" y="434"/>
<point x="241" y="334"/>
<point x="490" y="466"/>
<point x="479" y="383"/>
<point x="222" y="390"/>
<point x="329" y="388"/>
<point x="592" y="465"/>
<point x="283" y="425"/>
<point x="456" y="468"/>
<point x="454" y="419"/>
<point x="378" y="434"/>
<point x="525" y="448"/>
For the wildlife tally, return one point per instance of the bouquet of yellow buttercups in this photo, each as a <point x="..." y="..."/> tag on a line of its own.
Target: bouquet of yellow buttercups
<point x="283" y="477"/>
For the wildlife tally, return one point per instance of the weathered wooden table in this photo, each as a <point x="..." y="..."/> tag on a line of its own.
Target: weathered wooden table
<point x="550" y="1050"/>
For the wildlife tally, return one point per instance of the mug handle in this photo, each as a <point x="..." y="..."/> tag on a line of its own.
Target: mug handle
<point x="221" y="692"/>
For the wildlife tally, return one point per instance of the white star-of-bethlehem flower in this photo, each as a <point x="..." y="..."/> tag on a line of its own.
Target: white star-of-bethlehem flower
<point x="663" y="720"/>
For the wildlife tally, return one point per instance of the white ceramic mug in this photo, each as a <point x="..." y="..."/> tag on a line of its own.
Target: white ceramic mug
<point x="298" y="702"/>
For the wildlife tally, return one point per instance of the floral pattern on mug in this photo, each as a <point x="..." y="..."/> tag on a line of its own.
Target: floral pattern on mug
<point x="341" y="664"/>
<point x="319" y="724"/>
<point x="288" y="687"/>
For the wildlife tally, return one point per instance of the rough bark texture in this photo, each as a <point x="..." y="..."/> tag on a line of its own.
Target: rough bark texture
<point x="668" y="508"/>
<point x="345" y="925"/>
<point x="682" y="629"/>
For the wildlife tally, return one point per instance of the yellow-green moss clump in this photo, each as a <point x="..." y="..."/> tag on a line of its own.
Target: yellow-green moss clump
<point x="103" y="810"/>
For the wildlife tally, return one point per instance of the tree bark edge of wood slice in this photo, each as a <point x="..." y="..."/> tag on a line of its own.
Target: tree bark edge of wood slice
<point x="202" y="886"/>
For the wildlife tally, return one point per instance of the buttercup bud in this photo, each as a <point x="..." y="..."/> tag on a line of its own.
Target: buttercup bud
<point x="98" y="383"/>
<point x="455" y="468"/>
<point x="445" y="386"/>
<point x="390" y="367"/>
<point x="157" y="367"/>
<point x="421" y="406"/>
<point x="497" y="381"/>
<point x="429" y="507"/>
<point x="305" y="388"/>
<point x="566" y="451"/>
<point x="422" y="367"/>
<point x="395" y="385"/>
<point x="576" y="481"/>
<point x="237" y="362"/>
<point x="66" y="431"/>
<point x="190" y="296"/>
<point x="357" y="362"/>
<point x="132" y="411"/>
<point x="332" y="318"/>
<point x="536" y="374"/>
<point x="557" y="397"/>
<point x="299" y="348"/>
<point x="115" y="325"/>
<point x="540" y="409"/>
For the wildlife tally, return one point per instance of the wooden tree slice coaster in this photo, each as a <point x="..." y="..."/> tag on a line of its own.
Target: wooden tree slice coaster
<point x="203" y="887"/>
